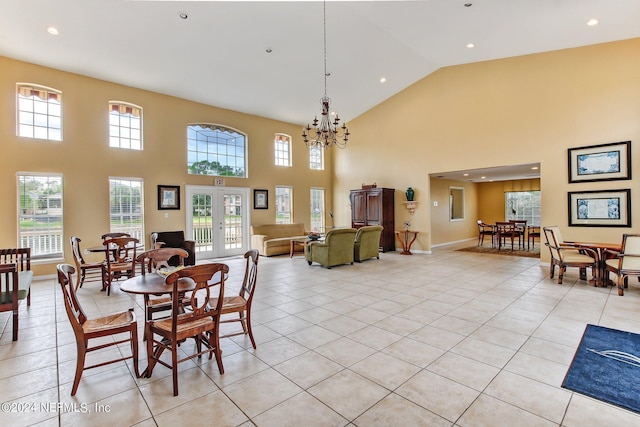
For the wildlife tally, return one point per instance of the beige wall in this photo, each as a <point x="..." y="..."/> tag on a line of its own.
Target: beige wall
<point x="86" y="161"/>
<point x="442" y="229"/>
<point x="525" y="109"/>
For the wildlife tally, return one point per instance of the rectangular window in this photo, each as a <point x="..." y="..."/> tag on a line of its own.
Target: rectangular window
<point x="126" y="207"/>
<point x="284" y="205"/>
<point x="316" y="158"/>
<point x="283" y="150"/>
<point x="40" y="216"/>
<point x="39" y="112"/>
<point x="523" y="205"/>
<point x="125" y="126"/>
<point x="317" y="209"/>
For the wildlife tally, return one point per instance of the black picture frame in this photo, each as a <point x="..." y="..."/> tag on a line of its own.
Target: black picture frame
<point x="607" y="208"/>
<point x="260" y="199"/>
<point x="603" y="162"/>
<point x="168" y="197"/>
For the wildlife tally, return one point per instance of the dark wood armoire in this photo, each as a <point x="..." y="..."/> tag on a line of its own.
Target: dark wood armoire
<point x="375" y="206"/>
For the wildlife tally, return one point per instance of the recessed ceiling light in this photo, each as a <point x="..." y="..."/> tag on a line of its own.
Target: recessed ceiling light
<point x="535" y="168"/>
<point x="268" y="50"/>
<point x="468" y="4"/>
<point x="483" y="177"/>
<point x="183" y="15"/>
<point x="52" y="31"/>
<point x="592" y="22"/>
<point x="471" y="45"/>
<point x="383" y="79"/>
<point x="465" y="174"/>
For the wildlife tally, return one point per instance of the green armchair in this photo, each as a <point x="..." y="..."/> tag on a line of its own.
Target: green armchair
<point x="367" y="243"/>
<point x="336" y="249"/>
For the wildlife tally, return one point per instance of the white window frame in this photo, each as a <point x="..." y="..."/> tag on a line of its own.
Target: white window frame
<point x="282" y="150"/>
<point x="523" y="205"/>
<point x="284" y="204"/>
<point x="215" y="154"/>
<point x="316" y="158"/>
<point x="39" y="112"/>
<point x="317" y="209"/>
<point x="117" y="221"/>
<point x="125" y="125"/>
<point x="45" y="240"/>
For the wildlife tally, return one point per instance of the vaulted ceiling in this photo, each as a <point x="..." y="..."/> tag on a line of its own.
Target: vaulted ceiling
<point x="216" y="52"/>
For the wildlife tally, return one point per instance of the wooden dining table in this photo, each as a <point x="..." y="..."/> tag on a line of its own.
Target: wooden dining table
<point x="601" y="248"/>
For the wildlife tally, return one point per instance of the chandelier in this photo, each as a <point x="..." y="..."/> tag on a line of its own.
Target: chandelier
<point x="325" y="133"/>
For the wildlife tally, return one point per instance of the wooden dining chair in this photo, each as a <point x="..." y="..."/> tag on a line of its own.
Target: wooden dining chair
<point x="15" y="282"/>
<point x="241" y="303"/>
<point x="120" y="259"/>
<point x="88" y="271"/>
<point x="201" y="322"/>
<point x="486" y="230"/>
<point x="504" y="231"/>
<point x="625" y="263"/>
<point x="150" y="262"/>
<point x="86" y="329"/>
<point x="520" y="230"/>
<point x="565" y="256"/>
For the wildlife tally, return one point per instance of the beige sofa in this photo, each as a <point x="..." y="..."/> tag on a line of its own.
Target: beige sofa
<point x="275" y="239"/>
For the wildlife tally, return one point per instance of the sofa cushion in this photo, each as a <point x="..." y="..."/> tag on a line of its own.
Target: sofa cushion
<point x="276" y="231"/>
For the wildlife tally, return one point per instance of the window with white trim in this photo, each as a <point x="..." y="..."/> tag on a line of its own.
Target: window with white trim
<point x="523" y="205"/>
<point x="125" y="125"/>
<point x="39" y="112"/>
<point x="126" y="207"/>
<point x="317" y="209"/>
<point x="316" y="158"/>
<point x="40" y="214"/>
<point x="282" y="150"/>
<point x="284" y="205"/>
<point x="216" y="150"/>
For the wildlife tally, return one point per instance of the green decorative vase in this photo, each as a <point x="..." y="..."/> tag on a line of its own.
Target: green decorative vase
<point x="409" y="193"/>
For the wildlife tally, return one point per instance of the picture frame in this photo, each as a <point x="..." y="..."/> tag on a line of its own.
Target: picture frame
<point x="603" y="162"/>
<point x="608" y="208"/>
<point x="260" y="199"/>
<point x="168" y="197"/>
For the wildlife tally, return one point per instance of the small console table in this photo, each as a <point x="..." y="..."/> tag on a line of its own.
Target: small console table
<point x="404" y="237"/>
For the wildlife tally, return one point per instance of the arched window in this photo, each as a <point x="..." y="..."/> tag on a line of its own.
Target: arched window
<point x="216" y="150"/>
<point x="39" y="112"/>
<point x="282" y="150"/>
<point x="125" y="125"/>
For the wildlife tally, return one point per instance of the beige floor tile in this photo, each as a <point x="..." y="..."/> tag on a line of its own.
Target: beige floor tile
<point x="279" y="350"/>
<point x="308" y="369"/>
<point x="126" y="408"/>
<point x="537" y="368"/>
<point x="313" y="336"/>
<point x="385" y="370"/>
<point x="343" y="325"/>
<point x="584" y="411"/>
<point x="30" y="409"/>
<point x="345" y="351"/>
<point x="437" y="337"/>
<point x="261" y="392"/>
<point x="301" y="410"/>
<point x="487" y="411"/>
<point x="533" y="396"/>
<point x="213" y="406"/>
<point x="439" y="395"/>
<point x="464" y="370"/>
<point x="414" y="352"/>
<point x="394" y="410"/>
<point x="348" y="393"/>
<point x="375" y="337"/>
<point x="484" y="352"/>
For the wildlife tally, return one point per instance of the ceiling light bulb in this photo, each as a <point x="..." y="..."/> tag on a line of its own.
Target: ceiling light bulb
<point x="592" y="22"/>
<point x="383" y="79"/>
<point x="52" y="30"/>
<point x="483" y="177"/>
<point x="466" y="174"/>
<point x="471" y="45"/>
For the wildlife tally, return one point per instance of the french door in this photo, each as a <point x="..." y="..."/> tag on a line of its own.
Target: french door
<point x="218" y="220"/>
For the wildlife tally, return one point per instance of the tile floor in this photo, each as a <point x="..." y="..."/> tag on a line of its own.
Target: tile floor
<point x="447" y="339"/>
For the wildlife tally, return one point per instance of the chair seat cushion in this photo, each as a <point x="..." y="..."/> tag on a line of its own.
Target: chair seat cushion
<point x="24" y="283"/>
<point x="569" y="257"/>
<point x="108" y="322"/>
<point x="203" y="324"/>
<point x="231" y="304"/>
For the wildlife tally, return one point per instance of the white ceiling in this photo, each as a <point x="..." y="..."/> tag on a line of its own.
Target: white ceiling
<point x="501" y="173"/>
<point x="218" y="55"/>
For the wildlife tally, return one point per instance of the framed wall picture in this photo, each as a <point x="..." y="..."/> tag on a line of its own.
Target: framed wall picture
<point x="260" y="199"/>
<point x="169" y="197"/>
<point x="609" y="208"/>
<point x="605" y="162"/>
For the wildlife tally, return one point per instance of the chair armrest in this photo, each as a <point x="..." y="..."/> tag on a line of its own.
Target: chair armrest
<point x="592" y="252"/>
<point x="190" y="245"/>
<point x="159" y="245"/>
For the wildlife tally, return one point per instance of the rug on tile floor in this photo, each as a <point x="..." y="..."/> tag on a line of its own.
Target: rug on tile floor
<point x="533" y="253"/>
<point x="606" y="366"/>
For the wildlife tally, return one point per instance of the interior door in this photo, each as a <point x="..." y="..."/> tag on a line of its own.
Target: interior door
<point x="218" y="220"/>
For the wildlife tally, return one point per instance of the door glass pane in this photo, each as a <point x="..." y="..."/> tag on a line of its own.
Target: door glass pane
<point x="202" y="208"/>
<point x="232" y="221"/>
